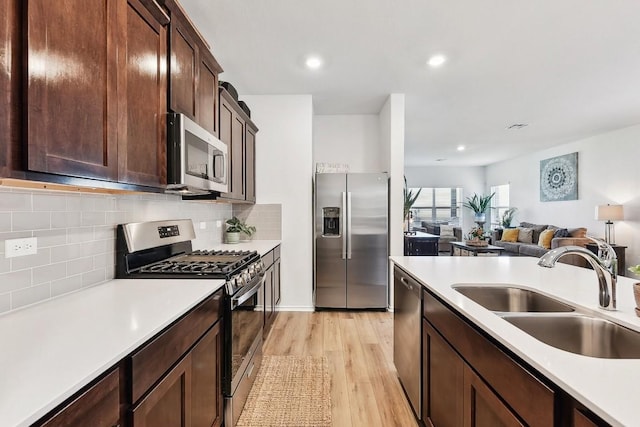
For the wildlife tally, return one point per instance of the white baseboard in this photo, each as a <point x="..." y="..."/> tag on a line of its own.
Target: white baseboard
<point x="294" y="308"/>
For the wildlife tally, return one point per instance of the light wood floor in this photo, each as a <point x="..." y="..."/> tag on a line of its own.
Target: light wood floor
<point x="359" y="347"/>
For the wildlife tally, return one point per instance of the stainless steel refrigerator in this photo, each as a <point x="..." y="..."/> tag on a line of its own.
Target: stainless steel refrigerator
<point x="351" y="229"/>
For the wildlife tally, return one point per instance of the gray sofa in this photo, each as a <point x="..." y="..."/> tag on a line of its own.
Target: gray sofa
<point x="565" y="237"/>
<point x="444" y="243"/>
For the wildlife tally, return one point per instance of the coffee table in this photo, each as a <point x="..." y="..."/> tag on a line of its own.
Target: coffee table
<point x="462" y="249"/>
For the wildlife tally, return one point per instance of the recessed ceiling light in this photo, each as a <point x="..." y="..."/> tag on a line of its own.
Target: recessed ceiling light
<point x="436" y="61"/>
<point x="313" y="62"/>
<point x="460" y="148"/>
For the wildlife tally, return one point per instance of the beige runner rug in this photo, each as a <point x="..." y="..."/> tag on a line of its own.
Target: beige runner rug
<point x="289" y="391"/>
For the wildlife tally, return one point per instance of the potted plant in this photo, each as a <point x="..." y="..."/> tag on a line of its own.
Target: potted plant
<point x="409" y="200"/>
<point x="479" y="205"/>
<point x="507" y="217"/>
<point x="235" y="227"/>
<point x="477" y="237"/>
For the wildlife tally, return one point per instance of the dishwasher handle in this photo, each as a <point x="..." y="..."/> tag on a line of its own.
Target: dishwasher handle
<point x="414" y="288"/>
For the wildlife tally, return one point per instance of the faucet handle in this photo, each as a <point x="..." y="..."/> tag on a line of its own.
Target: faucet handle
<point x="606" y="254"/>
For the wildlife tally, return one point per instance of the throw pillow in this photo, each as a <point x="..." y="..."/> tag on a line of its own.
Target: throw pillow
<point x="510" y="235"/>
<point x="525" y="235"/>
<point x="561" y="232"/>
<point x="545" y="238"/>
<point x="578" y="232"/>
<point x="446" y="231"/>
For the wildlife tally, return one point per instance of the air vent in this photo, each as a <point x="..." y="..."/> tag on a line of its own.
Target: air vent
<point x="517" y="126"/>
<point x="440" y="160"/>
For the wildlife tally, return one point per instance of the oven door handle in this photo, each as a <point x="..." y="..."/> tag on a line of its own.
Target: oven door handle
<point x="240" y="299"/>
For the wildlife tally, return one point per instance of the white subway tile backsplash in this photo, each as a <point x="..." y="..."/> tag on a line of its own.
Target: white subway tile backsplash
<point x="30" y="221"/>
<point x="48" y="238"/>
<point x="79" y="235"/>
<point x="93" y="218"/>
<point x="5" y="302"/>
<point x="5" y="222"/>
<point x="10" y="202"/>
<point x="49" y="202"/>
<point x="30" y="295"/>
<point x="93" y="277"/>
<point x="48" y="273"/>
<point x="65" y="219"/>
<point x="76" y="237"/>
<point x="42" y="257"/>
<point x="66" y="252"/>
<point x="74" y="202"/>
<point x="80" y="265"/>
<point x="66" y="285"/>
<point x="107" y="260"/>
<point x="15" y="280"/>
<point x="5" y="263"/>
<point x="104" y="232"/>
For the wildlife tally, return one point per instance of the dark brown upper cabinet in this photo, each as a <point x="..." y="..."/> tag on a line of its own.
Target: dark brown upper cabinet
<point x="193" y="71"/>
<point x="9" y="94"/>
<point x="239" y="133"/>
<point x="95" y="89"/>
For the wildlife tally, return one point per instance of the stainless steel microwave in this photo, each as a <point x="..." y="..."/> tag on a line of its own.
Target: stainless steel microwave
<point x="197" y="160"/>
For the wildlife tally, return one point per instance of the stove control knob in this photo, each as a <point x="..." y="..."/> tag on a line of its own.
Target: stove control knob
<point x="246" y="276"/>
<point x="230" y="285"/>
<point x="252" y="269"/>
<point x="240" y="281"/>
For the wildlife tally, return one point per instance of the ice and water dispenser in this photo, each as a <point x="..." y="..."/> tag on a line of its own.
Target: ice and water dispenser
<point x="330" y="222"/>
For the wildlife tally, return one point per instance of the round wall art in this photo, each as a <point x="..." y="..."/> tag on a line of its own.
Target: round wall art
<point x="559" y="178"/>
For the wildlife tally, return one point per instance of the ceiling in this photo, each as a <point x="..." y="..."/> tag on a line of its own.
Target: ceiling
<point x="567" y="68"/>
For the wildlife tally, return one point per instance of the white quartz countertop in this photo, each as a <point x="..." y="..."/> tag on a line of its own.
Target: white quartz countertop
<point x="262" y="246"/>
<point x="52" y="349"/>
<point x="607" y="386"/>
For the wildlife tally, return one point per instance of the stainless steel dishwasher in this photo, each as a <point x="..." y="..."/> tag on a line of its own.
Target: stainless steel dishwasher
<point x="407" y="336"/>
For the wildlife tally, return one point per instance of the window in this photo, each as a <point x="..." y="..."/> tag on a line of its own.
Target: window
<point x="437" y="205"/>
<point x="499" y="204"/>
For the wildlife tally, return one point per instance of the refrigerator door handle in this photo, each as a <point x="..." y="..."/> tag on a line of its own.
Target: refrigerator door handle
<point x="344" y="236"/>
<point x="348" y="225"/>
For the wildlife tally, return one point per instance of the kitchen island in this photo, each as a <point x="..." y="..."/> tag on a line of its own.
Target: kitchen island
<point x="604" y="386"/>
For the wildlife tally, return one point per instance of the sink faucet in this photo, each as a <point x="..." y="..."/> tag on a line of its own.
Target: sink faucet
<point x="605" y="264"/>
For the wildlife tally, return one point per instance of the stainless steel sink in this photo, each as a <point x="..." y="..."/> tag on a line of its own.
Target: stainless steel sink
<point x="511" y="299"/>
<point x="580" y="334"/>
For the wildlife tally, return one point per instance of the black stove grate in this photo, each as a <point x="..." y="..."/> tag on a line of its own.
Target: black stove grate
<point x="202" y="262"/>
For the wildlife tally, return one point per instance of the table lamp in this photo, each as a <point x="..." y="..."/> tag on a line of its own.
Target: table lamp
<point x="609" y="213"/>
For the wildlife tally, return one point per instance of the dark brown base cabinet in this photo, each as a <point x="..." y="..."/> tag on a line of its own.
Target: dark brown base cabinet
<point x="173" y="380"/>
<point x="271" y="288"/>
<point x="98" y="405"/>
<point x="189" y="394"/>
<point x="470" y="381"/>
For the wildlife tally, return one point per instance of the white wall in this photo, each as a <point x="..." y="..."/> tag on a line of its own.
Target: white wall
<point x="351" y="139"/>
<point x="284" y="176"/>
<point x="470" y="179"/>
<point x="391" y="124"/>
<point x="607" y="173"/>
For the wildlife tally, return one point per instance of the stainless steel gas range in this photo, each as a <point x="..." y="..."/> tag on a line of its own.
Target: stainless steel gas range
<point x="163" y="249"/>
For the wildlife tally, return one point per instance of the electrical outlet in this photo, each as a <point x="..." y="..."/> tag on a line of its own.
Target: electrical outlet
<point x="218" y="224"/>
<point x="20" y="247"/>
